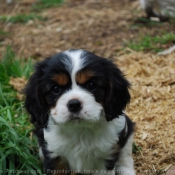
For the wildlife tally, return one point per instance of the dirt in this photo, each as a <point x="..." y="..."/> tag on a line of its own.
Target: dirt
<point x="152" y="108"/>
<point x="104" y="27"/>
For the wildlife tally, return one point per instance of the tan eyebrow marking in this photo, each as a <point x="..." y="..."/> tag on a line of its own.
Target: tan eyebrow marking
<point x="83" y="76"/>
<point x="61" y="79"/>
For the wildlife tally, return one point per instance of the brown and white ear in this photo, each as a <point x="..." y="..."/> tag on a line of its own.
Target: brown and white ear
<point x="118" y="94"/>
<point x="34" y="102"/>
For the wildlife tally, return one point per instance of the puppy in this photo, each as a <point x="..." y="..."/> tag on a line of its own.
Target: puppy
<point x="163" y="9"/>
<point x="76" y="101"/>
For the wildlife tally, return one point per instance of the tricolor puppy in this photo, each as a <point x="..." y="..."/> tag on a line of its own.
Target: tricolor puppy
<point x="76" y="101"/>
<point x="163" y="9"/>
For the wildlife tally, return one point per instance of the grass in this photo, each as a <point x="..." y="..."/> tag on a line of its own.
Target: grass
<point x="150" y="43"/>
<point x="136" y="148"/>
<point x="18" y="148"/>
<point x="4" y="33"/>
<point x="144" y="22"/>
<point x="21" y="18"/>
<point x="41" y="4"/>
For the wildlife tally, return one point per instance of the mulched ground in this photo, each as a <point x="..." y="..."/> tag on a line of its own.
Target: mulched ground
<point x="104" y="27"/>
<point x="152" y="108"/>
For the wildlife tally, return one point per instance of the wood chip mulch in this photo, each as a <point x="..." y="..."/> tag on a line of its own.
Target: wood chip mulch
<point x="153" y="109"/>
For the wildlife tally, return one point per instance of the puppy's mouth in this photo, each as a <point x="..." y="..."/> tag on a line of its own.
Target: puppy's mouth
<point x="75" y="117"/>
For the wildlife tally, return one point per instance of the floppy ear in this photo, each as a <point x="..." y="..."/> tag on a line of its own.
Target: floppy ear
<point x="118" y="94"/>
<point x="34" y="102"/>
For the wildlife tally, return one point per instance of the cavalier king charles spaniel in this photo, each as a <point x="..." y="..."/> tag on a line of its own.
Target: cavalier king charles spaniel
<point x="163" y="9"/>
<point x="76" y="101"/>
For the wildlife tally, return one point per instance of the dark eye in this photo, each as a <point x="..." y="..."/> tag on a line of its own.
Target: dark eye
<point x="91" y="85"/>
<point x="56" y="89"/>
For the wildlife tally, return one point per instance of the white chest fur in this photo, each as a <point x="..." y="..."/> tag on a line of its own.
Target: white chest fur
<point x="84" y="147"/>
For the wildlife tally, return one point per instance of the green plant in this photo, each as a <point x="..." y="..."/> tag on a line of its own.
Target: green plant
<point x="41" y="4"/>
<point x="144" y="22"/>
<point x="136" y="148"/>
<point x="21" y="18"/>
<point x="148" y="42"/>
<point x="3" y="33"/>
<point x="17" y="145"/>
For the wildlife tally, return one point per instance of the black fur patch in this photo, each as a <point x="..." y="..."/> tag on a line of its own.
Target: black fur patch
<point x="123" y="138"/>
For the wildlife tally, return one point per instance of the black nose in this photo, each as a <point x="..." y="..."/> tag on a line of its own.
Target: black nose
<point x="74" y="105"/>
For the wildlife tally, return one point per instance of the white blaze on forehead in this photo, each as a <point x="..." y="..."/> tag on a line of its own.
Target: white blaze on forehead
<point x="75" y="56"/>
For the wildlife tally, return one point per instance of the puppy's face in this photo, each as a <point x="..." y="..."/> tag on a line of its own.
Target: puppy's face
<point x="76" y="86"/>
<point x="75" y="92"/>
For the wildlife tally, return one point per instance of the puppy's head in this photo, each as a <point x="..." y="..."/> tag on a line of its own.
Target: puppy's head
<point x="75" y="86"/>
